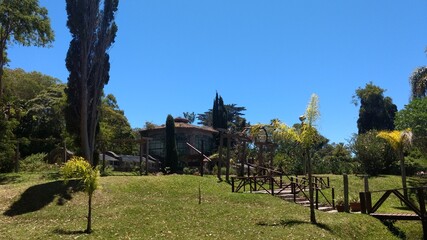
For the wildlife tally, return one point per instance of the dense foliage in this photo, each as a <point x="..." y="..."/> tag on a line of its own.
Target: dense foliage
<point x="414" y="116"/>
<point x="229" y="116"/>
<point x="34" y="117"/>
<point x="115" y="131"/>
<point x="25" y="23"/>
<point x="376" y="112"/>
<point x="374" y="154"/>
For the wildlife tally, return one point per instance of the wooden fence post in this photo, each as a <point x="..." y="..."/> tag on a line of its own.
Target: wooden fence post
<point x="368" y="199"/>
<point x="333" y="198"/>
<point x="317" y="198"/>
<point x="227" y="169"/>
<point x="421" y="199"/>
<point x="346" y="208"/>
<point x="272" y="185"/>
<point x="220" y="156"/>
<point x="366" y="183"/>
<point x="232" y="184"/>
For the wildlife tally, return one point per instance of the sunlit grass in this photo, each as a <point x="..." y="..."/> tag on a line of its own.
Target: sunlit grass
<point x="167" y="207"/>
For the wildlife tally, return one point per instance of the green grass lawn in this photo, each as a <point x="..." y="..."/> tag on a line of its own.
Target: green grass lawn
<point x="167" y="207"/>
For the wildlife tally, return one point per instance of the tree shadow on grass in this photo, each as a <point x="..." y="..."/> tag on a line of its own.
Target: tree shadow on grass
<point x="293" y="223"/>
<point x="67" y="232"/>
<point x="38" y="196"/>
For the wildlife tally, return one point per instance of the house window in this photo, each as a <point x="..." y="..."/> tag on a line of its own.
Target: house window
<point x="157" y="147"/>
<point x="206" y="141"/>
<point x="181" y="144"/>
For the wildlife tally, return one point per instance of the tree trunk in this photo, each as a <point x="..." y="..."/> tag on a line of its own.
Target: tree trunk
<point x="84" y="136"/>
<point x="1" y="80"/>
<point x="311" y="192"/>
<point x="3" y="39"/>
<point x="403" y="171"/>
<point x="89" y="215"/>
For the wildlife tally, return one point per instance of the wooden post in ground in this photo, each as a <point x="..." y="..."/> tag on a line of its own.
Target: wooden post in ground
<point x="220" y="156"/>
<point x="366" y="183"/>
<point x="421" y="199"/>
<point x="346" y="208"/>
<point x="333" y="198"/>
<point x="147" y="151"/>
<point x="140" y="157"/>
<point x="227" y="166"/>
<point x="201" y="159"/>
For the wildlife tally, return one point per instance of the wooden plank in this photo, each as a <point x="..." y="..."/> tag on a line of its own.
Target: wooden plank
<point x="395" y="216"/>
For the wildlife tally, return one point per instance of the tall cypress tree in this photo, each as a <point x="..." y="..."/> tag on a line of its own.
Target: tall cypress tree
<point x="215" y="123"/>
<point x="219" y="113"/>
<point x="222" y="114"/>
<point x="171" y="160"/>
<point x="93" y="31"/>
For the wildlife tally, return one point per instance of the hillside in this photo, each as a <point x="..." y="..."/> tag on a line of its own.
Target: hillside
<point x="165" y="207"/>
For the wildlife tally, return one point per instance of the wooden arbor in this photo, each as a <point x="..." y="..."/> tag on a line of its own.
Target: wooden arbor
<point x="266" y="148"/>
<point x="240" y="141"/>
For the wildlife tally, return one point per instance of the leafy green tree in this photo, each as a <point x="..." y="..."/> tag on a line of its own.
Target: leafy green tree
<point x="22" y="22"/>
<point x="43" y="121"/>
<point x="93" y="31"/>
<point x="171" y="159"/>
<point x="189" y="116"/>
<point x="114" y="127"/>
<point x="7" y="143"/>
<point x="21" y="86"/>
<point x="234" y="116"/>
<point x="33" y="110"/>
<point x="376" y="111"/>
<point x="414" y="116"/>
<point x="79" y="168"/>
<point x="399" y="140"/>
<point x="374" y="154"/>
<point x="418" y="82"/>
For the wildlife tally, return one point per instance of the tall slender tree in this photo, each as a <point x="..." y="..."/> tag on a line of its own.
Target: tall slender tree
<point x="93" y="30"/>
<point x="25" y="23"/>
<point x="171" y="159"/>
<point x="307" y="137"/>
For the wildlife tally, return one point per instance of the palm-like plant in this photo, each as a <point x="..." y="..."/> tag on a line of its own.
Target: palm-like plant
<point x="306" y="137"/>
<point x="399" y="140"/>
<point x="418" y="82"/>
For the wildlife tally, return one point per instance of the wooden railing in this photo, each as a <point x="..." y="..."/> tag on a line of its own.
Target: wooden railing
<point x="273" y="184"/>
<point x="419" y="212"/>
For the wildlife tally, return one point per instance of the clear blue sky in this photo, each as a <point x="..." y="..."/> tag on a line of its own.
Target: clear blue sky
<point x="171" y="56"/>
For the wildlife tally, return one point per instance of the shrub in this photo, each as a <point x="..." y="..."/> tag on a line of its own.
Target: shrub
<point x="34" y="163"/>
<point x="79" y="168"/>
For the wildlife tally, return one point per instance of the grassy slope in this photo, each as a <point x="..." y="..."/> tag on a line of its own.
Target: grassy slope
<point x="166" y="207"/>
